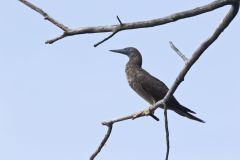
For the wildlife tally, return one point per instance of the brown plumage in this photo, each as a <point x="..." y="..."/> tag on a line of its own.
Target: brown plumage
<point x="149" y="87"/>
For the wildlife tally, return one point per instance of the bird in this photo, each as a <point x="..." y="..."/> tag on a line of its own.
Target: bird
<point x="148" y="87"/>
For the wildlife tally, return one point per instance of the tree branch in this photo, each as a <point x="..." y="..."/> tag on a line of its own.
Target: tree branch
<point x="56" y="39"/>
<point x="162" y="103"/>
<point x="111" y="35"/>
<point x="184" y="58"/>
<point x="144" y="24"/>
<point x="45" y="15"/>
<point x="167" y="131"/>
<point x="119" y="20"/>
<point x="105" y="39"/>
<point x="126" y="26"/>
<point x="109" y="125"/>
<point x="226" y="21"/>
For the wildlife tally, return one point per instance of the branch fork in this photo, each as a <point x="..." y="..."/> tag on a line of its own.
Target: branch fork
<point x="144" y="24"/>
<point x="127" y="26"/>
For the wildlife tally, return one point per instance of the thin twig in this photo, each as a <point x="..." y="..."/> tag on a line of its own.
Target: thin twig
<point x="119" y="20"/>
<point x="56" y="39"/>
<point x="111" y="35"/>
<point x="223" y="25"/>
<point x="185" y="59"/>
<point x="134" y="25"/>
<point x="109" y="124"/>
<point x="103" y="142"/>
<point x="105" y="39"/>
<point x="226" y="21"/>
<point x="45" y="15"/>
<point x="167" y="131"/>
<point x="147" y="112"/>
<point x="151" y="23"/>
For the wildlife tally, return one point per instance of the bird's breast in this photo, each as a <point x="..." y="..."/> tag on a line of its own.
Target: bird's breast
<point x="134" y="77"/>
<point x="131" y="74"/>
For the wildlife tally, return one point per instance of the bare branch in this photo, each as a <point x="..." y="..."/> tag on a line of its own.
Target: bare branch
<point x="226" y="21"/>
<point x="146" y="112"/>
<point x="109" y="125"/>
<point x="105" y="39"/>
<point x="119" y="20"/>
<point x="134" y="25"/>
<point x="185" y="59"/>
<point x="162" y="103"/>
<point x="56" y="39"/>
<point x="144" y="24"/>
<point x="111" y="35"/>
<point x="167" y="131"/>
<point x="45" y="15"/>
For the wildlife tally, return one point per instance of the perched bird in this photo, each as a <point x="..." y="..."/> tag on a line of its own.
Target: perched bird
<point x="149" y="87"/>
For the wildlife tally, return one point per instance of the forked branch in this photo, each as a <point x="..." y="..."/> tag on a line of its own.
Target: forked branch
<point x="144" y="24"/>
<point x="109" y="131"/>
<point x="223" y="25"/>
<point x="126" y="26"/>
<point x="46" y="16"/>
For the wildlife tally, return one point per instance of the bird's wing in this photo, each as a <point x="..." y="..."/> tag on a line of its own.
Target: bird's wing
<point x="154" y="87"/>
<point x="137" y="87"/>
<point x="157" y="89"/>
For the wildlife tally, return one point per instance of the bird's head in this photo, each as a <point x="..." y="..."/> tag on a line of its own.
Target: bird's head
<point x="129" y="51"/>
<point x="133" y="54"/>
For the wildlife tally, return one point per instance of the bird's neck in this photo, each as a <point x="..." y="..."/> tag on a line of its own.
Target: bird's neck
<point x="132" y="67"/>
<point x="135" y="62"/>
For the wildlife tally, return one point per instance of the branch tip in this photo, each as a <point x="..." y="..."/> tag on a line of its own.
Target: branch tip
<point x="134" y="25"/>
<point x="167" y="131"/>
<point x="105" y="39"/>
<point x="45" y="15"/>
<point x="119" y="20"/>
<point x="144" y="24"/>
<point x="184" y="58"/>
<point x="103" y="142"/>
<point x="107" y="123"/>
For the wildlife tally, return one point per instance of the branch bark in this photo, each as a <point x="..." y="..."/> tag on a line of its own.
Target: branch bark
<point x="127" y="26"/>
<point x="162" y="103"/>
<point x="46" y="16"/>
<point x="167" y="132"/>
<point x="226" y="21"/>
<point x="144" y="24"/>
<point x="184" y="58"/>
<point x="109" y="131"/>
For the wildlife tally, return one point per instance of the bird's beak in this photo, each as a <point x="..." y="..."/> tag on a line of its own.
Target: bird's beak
<point x="122" y="51"/>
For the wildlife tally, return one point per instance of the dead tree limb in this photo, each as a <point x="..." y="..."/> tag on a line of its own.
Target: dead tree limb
<point x="167" y="132"/>
<point x="109" y="131"/>
<point x="184" y="58"/>
<point x="223" y="25"/>
<point x="46" y="16"/>
<point x="127" y="26"/>
<point x="144" y="24"/>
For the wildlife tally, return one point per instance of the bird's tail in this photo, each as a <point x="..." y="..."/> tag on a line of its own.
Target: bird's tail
<point x="184" y="111"/>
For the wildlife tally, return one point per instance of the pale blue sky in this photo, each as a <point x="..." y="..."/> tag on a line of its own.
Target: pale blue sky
<point x="53" y="98"/>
